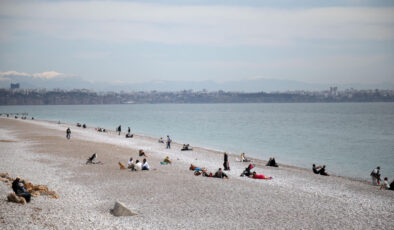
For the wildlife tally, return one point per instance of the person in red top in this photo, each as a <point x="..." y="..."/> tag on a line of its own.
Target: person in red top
<point x="260" y="176"/>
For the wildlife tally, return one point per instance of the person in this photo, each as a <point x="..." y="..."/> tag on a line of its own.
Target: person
<point x="220" y="174"/>
<point x="84" y="126"/>
<point x="161" y="140"/>
<point x="168" y="142"/>
<point x="315" y="168"/>
<point x="272" y="162"/>
<point x="138" y="165"/>
<point x="91" y="159"/>
<point x="322" y="171"/>
<point x="246" y="172"/>
<point x="130" y="162"/>
<point x="129" y="135"/>
<point x="141" y="153"/>
<point x="119" y="129"/>
<point x="20" y="190"/>
<point x="128" y="130"/>
<point x="167" y="160"/>
<point x="392" y="185"/>
<point x="385" y="184"/>
<point x="260" y="176"/>
<point x="68" y="133"/>
<point x="226" y="164"/>
<point x="375" y="175"/>
<point x="145" y="165"/>
<point x="185" y="147"/>
<point x="243" y="158"/>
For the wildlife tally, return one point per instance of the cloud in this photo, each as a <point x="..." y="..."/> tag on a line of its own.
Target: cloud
<point x="208" y="25"/>
<point x="44" y="75"/>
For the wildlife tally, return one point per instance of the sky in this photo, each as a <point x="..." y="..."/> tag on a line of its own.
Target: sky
<point x="313" y="41"/>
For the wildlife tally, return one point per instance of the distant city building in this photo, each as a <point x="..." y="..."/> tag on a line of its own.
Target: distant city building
<point x="15" y="86"/>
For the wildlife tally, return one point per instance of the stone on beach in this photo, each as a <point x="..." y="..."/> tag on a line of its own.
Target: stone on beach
<point x="121" y="210"/>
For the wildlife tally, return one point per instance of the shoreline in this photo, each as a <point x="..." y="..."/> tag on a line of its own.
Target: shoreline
<point x="171" y="197"/>
<point x="215" y="151"/>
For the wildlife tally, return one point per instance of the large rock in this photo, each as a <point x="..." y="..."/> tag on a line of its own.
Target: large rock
<point x="121" y="210"/>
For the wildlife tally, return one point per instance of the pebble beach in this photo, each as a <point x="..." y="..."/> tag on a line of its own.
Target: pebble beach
<point x="170" y="196"/>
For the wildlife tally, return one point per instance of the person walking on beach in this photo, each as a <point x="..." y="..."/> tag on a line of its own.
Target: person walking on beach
<point x="226" y="164"/>
<point x="128" y="130"/>
<point x="119" y="129"/>
<point x="168" y="142"/>
<point x="375" y="175"/>
<point x="68" y="133"/>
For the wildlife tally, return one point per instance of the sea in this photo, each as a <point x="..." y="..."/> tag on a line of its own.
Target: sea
<point x="351" y="139"/>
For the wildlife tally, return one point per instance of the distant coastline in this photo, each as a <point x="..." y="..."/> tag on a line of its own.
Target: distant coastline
<point x="84" y="96"/>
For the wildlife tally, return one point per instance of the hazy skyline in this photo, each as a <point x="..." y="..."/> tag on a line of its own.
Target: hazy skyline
<point x="317" y="42"/>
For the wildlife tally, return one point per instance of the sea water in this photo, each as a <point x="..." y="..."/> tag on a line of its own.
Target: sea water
<point x="349" y="138"/>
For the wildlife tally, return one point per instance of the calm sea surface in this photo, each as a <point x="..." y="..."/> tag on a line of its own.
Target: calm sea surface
<point x="350" y="138"/>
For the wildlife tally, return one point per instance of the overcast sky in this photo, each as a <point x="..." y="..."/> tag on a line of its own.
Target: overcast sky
<point x="315" y="41"/>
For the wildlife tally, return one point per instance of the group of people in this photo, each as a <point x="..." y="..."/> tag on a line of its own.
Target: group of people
<point x="204" y="172"/>
<point x="247" y="172"/>
<point x="138" y="166"/>
<point x="375" y="175"/>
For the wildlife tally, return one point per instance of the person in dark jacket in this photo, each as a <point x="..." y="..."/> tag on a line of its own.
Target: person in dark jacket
<point x="20" y="190"/>
<point x="68" y="133"/>
<point x="226" y="163"/>
<point x="246" y="172"/>
<point x="220" y="174"/>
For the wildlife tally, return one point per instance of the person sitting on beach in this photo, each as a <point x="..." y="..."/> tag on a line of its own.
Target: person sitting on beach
<point x="129" y="135"/>
<point x="385" y="184"/>
<point x="79" y="125"/>
<point x="145" y="165"/>
<point x="315" y="169"/>
<point x="322" y="171"/>
<point x="20" y="190"/>
<point x="272" y="162"/>
<point x="161" y="140"/>
<point x="137" y="166"/>
<point x="375" y="174"/>
<point x="192" y="167"/>
<point x="186" y="147"/>
<point x="166" y="161"/>
<point x="243" y="158"/>
<point x="260" y="176"/>
<point x="141" y="153"/>
<point x="220" y="174"/>
<point x="246" y="172"/>
<point x="91" y="159"/>
<point x="391" y="185"/>
<point x="130" y="162"/>
<point x="84" y="126"/>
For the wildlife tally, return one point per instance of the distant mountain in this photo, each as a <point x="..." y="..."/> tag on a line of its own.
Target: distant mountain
<point x="256" y="85"/>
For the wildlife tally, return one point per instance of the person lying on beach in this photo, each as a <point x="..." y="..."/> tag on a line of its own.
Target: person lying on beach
<point x="20" y="190"/>
<point x="385" y="185"/>
<point x="166" y="161"/>
<point x="186" y="147"/>
<point x="141" y="153"/>
<point x="145" y="165"/>
<point x="161" y="140"/>
<point x="129" y="135"/>
<point x="246" y="172"/>
<point x="220" y="174"/>
<point x="243" y="158"/>
<point x="193" y="167"/>
<point x="79" y="125"/>
<point x="260" y="176"/>
<point x="315" y="169"/>
<point x="272" y="162"/>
